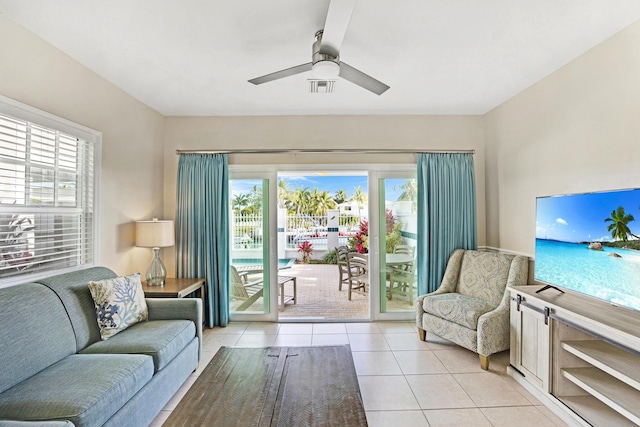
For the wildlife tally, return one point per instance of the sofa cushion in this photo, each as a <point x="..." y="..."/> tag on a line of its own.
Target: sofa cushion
<point x="86" y="389"/>
<point x="160" y="339"/>
<point x="456" y="308"/>
<point x="119" y="303"/>
<point x="35" y="332"/>
<point x="74" y="293"/>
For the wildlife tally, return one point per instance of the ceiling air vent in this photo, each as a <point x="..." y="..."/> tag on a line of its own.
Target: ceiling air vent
<point x="321" y="86"/>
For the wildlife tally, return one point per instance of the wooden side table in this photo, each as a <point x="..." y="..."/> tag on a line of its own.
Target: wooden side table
<point x="176" y="288"/>
<point x="286" y="298"/>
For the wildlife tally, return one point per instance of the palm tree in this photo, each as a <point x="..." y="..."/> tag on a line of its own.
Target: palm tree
<point x="360" y="198"/>
<point x="322" y="202"/>
<point x="255" y="200"/>
<point x="618" y="227"/>
<point x="340" y="196"/>
<point x="409" y="192"/>
<point x="240" y="202"/>
<point x="284" y="194"/>
<point x="301" y="200"/>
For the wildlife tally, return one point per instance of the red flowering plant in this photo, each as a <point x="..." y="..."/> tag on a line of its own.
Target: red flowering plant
<point x="360" y="242"/>
<point x="306" y="248"/>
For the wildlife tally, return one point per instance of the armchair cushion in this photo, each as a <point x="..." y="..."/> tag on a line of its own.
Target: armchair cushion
<point x="483" y="275"/>
<point x="460" y="309"/>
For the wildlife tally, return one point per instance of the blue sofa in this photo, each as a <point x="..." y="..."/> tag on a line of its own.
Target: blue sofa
<point x="55" y="369"/>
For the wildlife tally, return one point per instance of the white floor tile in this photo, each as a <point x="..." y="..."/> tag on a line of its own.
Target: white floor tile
<point x="419" y="362"/>
<point x="527" y="416"/>
<point x="293" y="340"/>
<point x="459" y="360"/>
<point x="386" y="393"/>
<point x="501" y="394"/>
<point x="329" y="328"/>
<point x="440" y="391"/>
<point x="396" y="419"/>
<point x="405" y="341"/>
<point x="468" y="417"/>
<point x="368" y="342"/>
<point x="214" y="342"/>
<point x="396" y="328"/>
<point x="262" y="328"/>
<point x="296" y="328"/>
<point x="375" y="363"/>
<point x="249" y="340"/>
<point x="362" y="328"/>
<point x="233" y="328"/>
<point x="330" y="339"/>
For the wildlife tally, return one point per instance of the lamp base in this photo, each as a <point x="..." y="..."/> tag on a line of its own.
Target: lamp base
<point x="156" y="273"/>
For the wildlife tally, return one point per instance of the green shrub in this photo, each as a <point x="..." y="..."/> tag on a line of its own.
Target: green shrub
<point x="330" y="258"/>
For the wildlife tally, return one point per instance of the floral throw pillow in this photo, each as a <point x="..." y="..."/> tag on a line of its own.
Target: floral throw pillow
<point x="119" y="303"/>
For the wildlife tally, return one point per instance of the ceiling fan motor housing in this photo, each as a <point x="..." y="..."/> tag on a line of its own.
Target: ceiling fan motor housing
<point x="325" y="66"/>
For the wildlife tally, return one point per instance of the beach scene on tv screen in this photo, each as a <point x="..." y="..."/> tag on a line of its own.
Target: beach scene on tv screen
<point x="590" y="243"/>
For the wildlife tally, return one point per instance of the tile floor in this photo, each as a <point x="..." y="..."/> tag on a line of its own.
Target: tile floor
<point x="404" y="381"/>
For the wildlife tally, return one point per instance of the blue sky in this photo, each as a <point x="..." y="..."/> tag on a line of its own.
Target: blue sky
<point x="580" y="217"/>
<point x="330" y="183"/>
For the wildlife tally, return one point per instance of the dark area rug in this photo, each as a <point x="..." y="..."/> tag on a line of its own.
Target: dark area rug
<point x="274" y="386"/>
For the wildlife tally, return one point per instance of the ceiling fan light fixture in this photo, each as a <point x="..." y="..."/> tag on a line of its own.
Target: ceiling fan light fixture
<point x="326" y="70"/>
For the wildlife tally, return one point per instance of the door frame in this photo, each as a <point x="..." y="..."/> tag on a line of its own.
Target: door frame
<point x="374" y="172"/>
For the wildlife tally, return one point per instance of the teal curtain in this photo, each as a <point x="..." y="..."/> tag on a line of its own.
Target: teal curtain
<point x="202" y="229"/>
<point x="447" y="213"/>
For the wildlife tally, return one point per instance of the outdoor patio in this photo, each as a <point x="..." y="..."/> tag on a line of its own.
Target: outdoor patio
<point x="319" y="298"/>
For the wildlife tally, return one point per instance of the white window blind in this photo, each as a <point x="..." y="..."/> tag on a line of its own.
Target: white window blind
<point x="46" y="198"/>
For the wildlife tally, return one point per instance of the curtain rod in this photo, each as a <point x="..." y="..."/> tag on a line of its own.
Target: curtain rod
<point x="322" y="151"/>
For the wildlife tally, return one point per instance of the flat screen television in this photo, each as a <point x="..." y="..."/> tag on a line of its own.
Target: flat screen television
<point x="589" y="243"/>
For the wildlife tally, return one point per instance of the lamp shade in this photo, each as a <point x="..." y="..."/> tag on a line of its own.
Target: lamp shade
<point x="154" y="234"/>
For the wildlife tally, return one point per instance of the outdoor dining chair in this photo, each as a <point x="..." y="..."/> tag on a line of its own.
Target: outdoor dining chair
<point x="358" y="271"/>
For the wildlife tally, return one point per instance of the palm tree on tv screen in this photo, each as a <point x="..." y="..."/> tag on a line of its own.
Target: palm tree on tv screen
<point x="618" y="227"/>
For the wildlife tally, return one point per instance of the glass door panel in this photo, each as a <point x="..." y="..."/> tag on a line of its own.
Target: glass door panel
<point x="398" y="241"/>
<point x="249" y="270"/>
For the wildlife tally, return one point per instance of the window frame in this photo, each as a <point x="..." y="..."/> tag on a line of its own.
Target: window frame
<point x="42" y="118"/>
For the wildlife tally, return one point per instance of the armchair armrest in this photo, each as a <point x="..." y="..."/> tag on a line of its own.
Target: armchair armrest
<point x="494" y="331"/>
<point x="420" y="299"/>
<point x="178" y="308"/>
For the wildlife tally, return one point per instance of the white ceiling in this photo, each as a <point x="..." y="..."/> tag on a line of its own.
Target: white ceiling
<point x="194" y="57"/>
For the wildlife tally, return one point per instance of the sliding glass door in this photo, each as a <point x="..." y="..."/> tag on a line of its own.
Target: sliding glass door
<point x="257" y="238"/>
<point x="395" y="244"/>
<point x="250" y="293"/>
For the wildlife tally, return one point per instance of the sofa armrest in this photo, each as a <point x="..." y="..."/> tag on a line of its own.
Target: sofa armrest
<point x="178" y="308"/>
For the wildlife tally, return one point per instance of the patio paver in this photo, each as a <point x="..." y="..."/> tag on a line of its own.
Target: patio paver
<point x="319" y="298"/>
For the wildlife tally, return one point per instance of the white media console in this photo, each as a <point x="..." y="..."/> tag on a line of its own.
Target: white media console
<point x="579" y="355"/>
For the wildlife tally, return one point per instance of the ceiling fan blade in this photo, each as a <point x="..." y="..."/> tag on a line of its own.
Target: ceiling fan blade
<point x="335" y="26"/>
<point x="282" y="74"/>
<point x="355" y="76"/>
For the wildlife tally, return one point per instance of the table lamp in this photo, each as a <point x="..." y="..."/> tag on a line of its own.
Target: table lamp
<point x="155" y="234"/>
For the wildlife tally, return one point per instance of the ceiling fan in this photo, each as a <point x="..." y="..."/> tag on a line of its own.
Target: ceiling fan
<point x="325" y="58"/>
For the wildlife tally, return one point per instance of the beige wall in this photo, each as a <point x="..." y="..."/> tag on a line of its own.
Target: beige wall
<point x="575" y="131"/>
<point x="37" y="74"/>
<point x="326" y="132"/>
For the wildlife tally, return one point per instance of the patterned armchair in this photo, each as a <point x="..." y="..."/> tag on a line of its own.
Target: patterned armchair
<point x="471" y="306"/>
